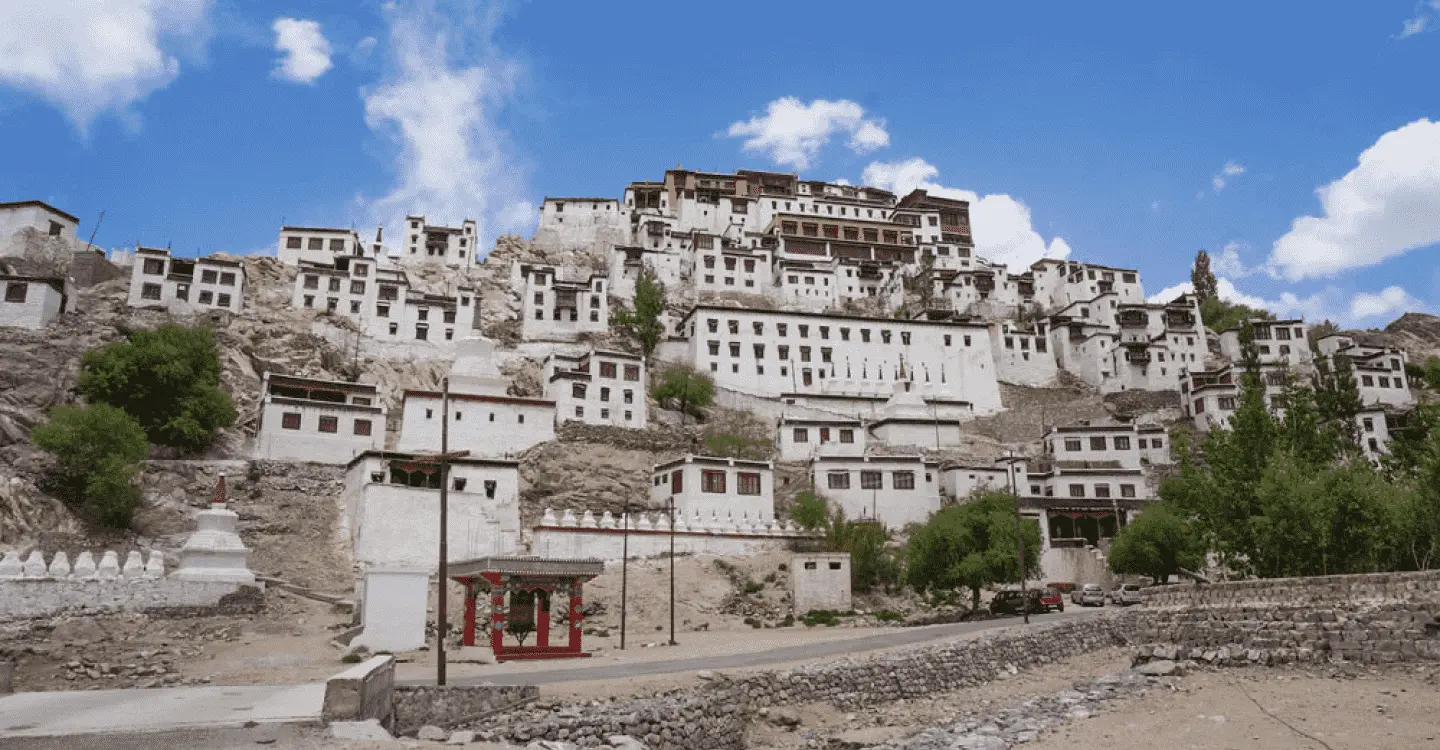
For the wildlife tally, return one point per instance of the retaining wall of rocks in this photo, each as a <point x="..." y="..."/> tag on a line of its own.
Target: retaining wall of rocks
<point x="713" y="715"/>
<point x="1374" y="618"/>
<point x="453" y="705"/>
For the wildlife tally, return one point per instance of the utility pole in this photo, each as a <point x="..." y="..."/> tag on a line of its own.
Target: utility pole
<point x="1019" y="537"/>
<point x="624" y="569"/>
<point x="672" y="571"/>
<point x="444" y="553"/>
<point x="91" y="242"/>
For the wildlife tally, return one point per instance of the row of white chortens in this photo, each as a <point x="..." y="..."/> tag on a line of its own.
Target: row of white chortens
<point x="855" y="394"/>
<point x="85" y="567"/>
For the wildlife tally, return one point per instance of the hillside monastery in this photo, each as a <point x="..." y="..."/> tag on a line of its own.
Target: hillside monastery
<point x="860" y="323"/>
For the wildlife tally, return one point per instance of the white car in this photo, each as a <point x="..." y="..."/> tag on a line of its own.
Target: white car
<point x="1089" y="595"/>
<point x="1126" y="594"/>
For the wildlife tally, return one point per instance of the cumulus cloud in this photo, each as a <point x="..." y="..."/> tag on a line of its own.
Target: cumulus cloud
<point x="88" y="57"/>
<point x="1224" y="286"/>
<point x="1385" y="207"/>
<point x="1227" y="262"/>
<point x="304" y="50"/>
<point x="1389" y="301"/>
<point x="1231" y="169"/>
<point x="1422" y="21"/>
<point x="792" y="132"/>
<point x="1001" y="224"/>
<point x="439" y="103"/>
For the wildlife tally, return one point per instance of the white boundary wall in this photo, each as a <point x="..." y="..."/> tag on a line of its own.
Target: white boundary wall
<point x="605" y="538"/>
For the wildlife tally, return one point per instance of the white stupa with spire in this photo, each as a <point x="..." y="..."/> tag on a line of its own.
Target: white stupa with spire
<point x="214" y="552"/>
<point x="475" y="371"/>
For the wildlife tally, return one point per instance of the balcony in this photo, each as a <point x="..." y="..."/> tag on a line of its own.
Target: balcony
<point x="1134" y="319"/>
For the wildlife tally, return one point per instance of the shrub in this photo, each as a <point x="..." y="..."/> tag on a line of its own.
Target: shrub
<point x="770" y="578"/>
<point x="809" y="511"/>
<point x="788" y="622"/>
<point x="752" y="622"/>
<point x="168" y="379"/>
<point x="99" y="449"/>
<point x="751" y="587"/>
<point x="827" y="617"/>
<point x="888" y="615"/>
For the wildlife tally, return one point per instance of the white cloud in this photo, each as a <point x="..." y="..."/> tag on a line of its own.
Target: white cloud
<point x="1001" y="224"/>
<point x="88" y="57"/>
<point x="363" y="48"/>
<point x="792" y="132"/>
<point x="438" y="103"/>
<point x="1422" y="21"/>
<point x="1155" y="206"/>
<point x="304" y="50"/>
<point x="1231" y="169"/>
<point x="1227" y="262"/>
<point x="1389" y="301"/>
<point x="1387" y="206"/>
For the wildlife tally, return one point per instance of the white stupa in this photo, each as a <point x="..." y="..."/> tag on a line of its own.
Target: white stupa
<point x="475" y="371"/>
<point x="214" y="552"/>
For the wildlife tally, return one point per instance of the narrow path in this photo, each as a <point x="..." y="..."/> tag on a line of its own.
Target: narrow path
<point x="783" y="655"/>
<point x="81" y="712"/>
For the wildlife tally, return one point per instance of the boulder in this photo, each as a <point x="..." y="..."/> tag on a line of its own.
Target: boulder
<point x="359" y="731"/>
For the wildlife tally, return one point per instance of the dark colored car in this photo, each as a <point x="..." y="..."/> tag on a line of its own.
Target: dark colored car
<point x="1009" y="603"/>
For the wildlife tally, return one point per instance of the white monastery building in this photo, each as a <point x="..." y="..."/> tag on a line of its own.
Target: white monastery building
<point x="895" y="490"/>
<point x="426" y="243"/>
<point x="40" y="216"/>
<point x="1278" y="342"/>
<point x="598" y="387"/>
<point x="559" y="304"/>
<point x="483" y="418"/>
<point x="186" y="285"/>
<point x="802" y="439"/>
<point x="724" y="488"/>
<point x="318" y="421"/>
<point x="322" y="245"/>
<point x="33" y="301"/>
<point x="387" y="308"/>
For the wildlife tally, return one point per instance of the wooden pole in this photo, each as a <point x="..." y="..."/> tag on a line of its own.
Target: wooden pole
<point x="441" y="615"/>
<point x="624" y="570"/>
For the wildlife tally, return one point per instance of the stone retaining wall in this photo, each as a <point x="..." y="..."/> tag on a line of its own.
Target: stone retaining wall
<point x="26" y="598"/>
<point x="453" y="705"/>
<point x="713" y="715"/>
<point x="1300" y="592"/>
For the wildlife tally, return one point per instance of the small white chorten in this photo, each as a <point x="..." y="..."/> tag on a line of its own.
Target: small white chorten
<point x="214" y="552"/>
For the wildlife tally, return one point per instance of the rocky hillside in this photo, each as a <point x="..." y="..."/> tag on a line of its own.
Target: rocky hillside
<point x="1417" y="332"/>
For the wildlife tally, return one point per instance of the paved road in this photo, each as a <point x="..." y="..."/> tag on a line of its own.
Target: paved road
<point x="50" y="714"/>
<point x="784" y="655"/>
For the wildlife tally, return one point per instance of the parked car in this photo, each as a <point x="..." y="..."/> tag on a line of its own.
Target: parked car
<point x="1009" y="602"/>
<point x="1089" y="595"/>
<point x="1052" y="599"/>
<point x="1063" y="587"/>
<point x="1126" y="594"/>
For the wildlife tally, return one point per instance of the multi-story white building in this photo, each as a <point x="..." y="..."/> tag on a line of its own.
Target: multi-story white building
<point x="559" y="304"/>
<point x="1278" y="342"/>
<point x="1127" y="446"/>
<point x="598" y="387"/>
<point x="323" y="245"/>
<point x="582" y="222"/>
<point x="483" y="418"/>
<point x="185" y="285"/>
<point x="776" y="354"/>
<point x="895" y="490"/>
<point x="392" y="509"/>
<point x="40" y="216"/>
<point x="1120" y="347"/>
<point x="319" y="421"/>
<point x="723" y="268"/>
<point x="34" y="301"/>
<point x="1379" y="371"/>
<point x="384" y="305"/>
<point x="425" y="243"/>
<point x="1061" y="283"/>
<point x="801" y="439"/>
<point x="1209" y="397"/>
<point x="723" y="488"/>
<point x="1023" y="355"/>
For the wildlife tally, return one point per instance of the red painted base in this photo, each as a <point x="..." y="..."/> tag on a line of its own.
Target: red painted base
<point x="547" y="654"/>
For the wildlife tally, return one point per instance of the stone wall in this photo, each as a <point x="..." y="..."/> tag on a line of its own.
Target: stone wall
<point x="713" y="715"/>
<point x="26" y="598"/>
<point x="1374" y="618"/>
<point x="453" y="705"/>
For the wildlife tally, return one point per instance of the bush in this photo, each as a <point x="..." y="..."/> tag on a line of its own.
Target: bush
<point x="888" y="615"/>
<point x="168" y="379"/>
<point x="99" y="449"/>
<point x="752" y="587"/>
<point x="770" y="578"/>
<point x="788" y="622"/>
<point x="809" y="510"/>
<point x="752" y="622"/>
<point x="352" y="658"/>
<point x="827" y="617"/>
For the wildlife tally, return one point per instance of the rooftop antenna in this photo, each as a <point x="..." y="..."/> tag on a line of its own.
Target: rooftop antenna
<point x="91" y="242"/>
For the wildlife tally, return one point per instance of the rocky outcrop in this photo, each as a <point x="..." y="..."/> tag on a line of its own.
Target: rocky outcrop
<point x="1417" y="332"/>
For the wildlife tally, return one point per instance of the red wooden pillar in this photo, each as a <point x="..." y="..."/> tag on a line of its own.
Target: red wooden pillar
<point x="542" y="619"/>
<point x="575" y="605"/>
<point x="469" y="637"/>
<point x="497" y="617"/>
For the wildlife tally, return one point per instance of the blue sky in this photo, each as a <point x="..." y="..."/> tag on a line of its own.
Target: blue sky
<point x="1130" y="134"/>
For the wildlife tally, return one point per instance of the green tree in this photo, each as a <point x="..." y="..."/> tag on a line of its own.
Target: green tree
<point x="168" y="379"/>
<point x="1158" y="543"/>
<point x="971" y="545"/>
<point x="98" y="450"/>
<point x="1323" y="520"/>
<point x="644" y="321"/>
<point x="1338" y="399"/>
<point x="809" y="510"/>
<point x="1202" y="279"/>
<point x="872" y="561"/>
<point x="685" y="389"/>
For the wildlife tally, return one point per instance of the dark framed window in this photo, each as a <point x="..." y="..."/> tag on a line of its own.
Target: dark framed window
<point x="872" y="480"/>
<point x="290" y="420"/>
<point x="329" y="424"/>
<point x="838" y="480"/>
<point x="362" y="427"/>
<point x="747" y="483"/>
<point x="712" y="480"/>
<point x="903" y="480"/>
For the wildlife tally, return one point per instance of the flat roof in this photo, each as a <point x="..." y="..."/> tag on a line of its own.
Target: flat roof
<point x="275" y="377"/>
<point x="326" y="230"/>
<point x="832" y="316"/>
<point x="875" y="459"/>
<point x="41" y="204"/>
<point x="430" y="458"/>
<point x="55" y="282"/>
<point x="526" y="566"/>
<point x="715" y="460"/>
<point x="480" y="398"/>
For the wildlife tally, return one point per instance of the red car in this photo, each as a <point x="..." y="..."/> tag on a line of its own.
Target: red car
<point x="1052" y="599"/>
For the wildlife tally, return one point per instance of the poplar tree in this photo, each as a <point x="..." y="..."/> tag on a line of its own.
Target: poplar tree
<point x="1202" y="279"/>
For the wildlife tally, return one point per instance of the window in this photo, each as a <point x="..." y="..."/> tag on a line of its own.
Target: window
<point x="577" y="390"/>
<point x="1142" y="444"/>
<point x="312" y="282"/>
<point x="802" y="435"/>
<point x="604" y="394"/>
<point x="294" y="243"/>
<point x="315" y="243"/>
<point x="15" y="291"/>
<point x="781" y="328"/>
<point x="290" y="420"/>
<point x="1199" y="405"/>
<point x="227" y="279"/>
<point x="825" y="352"/>
<point x="1367" y="381"/>
<point x="677" y="481"/>
<point x="1077" y="490"/>
<point x="1226" y="403"/>
<point x="422" y="333"/>
<point x="329" y="424"/>
<point x="208" y="297"/>
<point x="579" y="411"/>
<point x="903" y="480"/>
<point x="838" y="480"/>
<point x="335" y="285"/>
<point x="607" y="370"/>
<point x="1102" y="490"/>
<point x="847" y="436"/>
<point x="734" y="348"/>
<point x="747" y="483"/>
<point x="394" y="328"/>
<point x="712" y="481"/>
<point x="381" y="311"/>
<point x="783" y="352"/>
<point x="1127" y="490"/>
<point x="1097" y="443"/>
<point x="885" y="336"/>
<point x="207" y="277"/>
<point x="1122" y="443"/>
<point x="872" y="480"/>
<point x="632" y="373"/>
<point x="905" y="338"/>
<point x="804" y="354"/>
<point x="520" y="418"/>
<point x="1072" y="445"/>
<point x="865" y="335"/>
<point x="150" y="291"/>
<point x="362" y="427"/>
<point x="629" y="396"/>
<point x="804" y="331"/>
<point x="1374" y="446"/>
